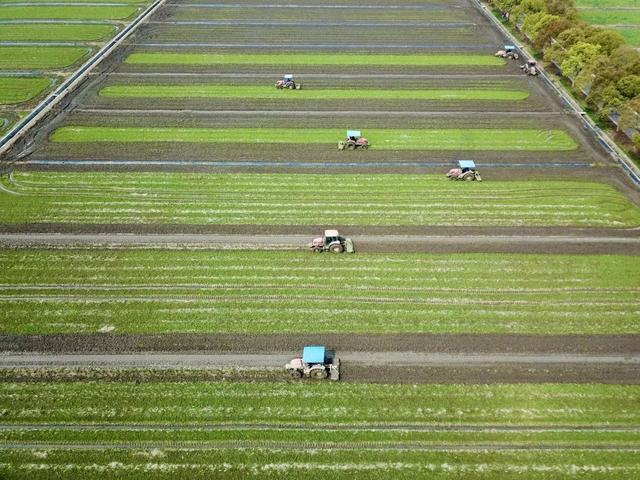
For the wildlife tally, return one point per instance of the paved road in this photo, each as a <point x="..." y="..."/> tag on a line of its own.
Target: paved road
<point x="166" y="360"/>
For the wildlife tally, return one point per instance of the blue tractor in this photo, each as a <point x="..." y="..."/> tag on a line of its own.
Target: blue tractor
<point x="316" y="362"/>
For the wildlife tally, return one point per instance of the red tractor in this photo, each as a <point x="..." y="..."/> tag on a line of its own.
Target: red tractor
<point x="332" y="242"/>
<point x="354" y="140"/>
<point x="466" y="171"/>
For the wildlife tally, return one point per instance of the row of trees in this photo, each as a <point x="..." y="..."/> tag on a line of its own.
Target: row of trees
<point x="597" y="61"/>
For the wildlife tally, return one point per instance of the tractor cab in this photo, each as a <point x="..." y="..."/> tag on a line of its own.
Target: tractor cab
<point x="332" y="242"/>
<point x="354" y="140"/>
<point x="466" y="171"/>
<point x="288" y="82"/>
<point x="316" y="362"/>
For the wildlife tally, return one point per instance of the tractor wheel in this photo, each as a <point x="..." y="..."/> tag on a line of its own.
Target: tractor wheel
<point x="351" y="146"/>
<point x="365" y="147"/>
<point x="295" y="373"/>
<point x="316" y="250"/>
<point x="319" y="374"/>
<point x="337" y="248"/>
<point x="469" y="178"/>
<point x="516" y="56"/>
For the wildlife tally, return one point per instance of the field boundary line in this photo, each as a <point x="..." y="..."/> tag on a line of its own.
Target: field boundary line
<point x="614" y="151"/>
<point x="53" y="99"/>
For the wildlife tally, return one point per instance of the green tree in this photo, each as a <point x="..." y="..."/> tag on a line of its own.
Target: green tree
<point x="609" y="40"/>
<point x="578" y="56"/>
<point x="630" y="115"/>
<point x="629" y="86"/>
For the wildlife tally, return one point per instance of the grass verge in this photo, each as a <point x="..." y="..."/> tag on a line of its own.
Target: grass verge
<point x="380" y="139"/>
<point x="312" y="59"/>
<point x="140" y="291"/>
<point x="269" y="92"/>
<point x="20" y="89"/>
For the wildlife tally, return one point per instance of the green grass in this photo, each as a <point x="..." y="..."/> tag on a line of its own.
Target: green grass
<point x="162" y="58"/>
<point x="269" y="92"/>
<point x="20" y="89"/>
<point x="611" y="17"/>
<point x="294" y="462"/>
<point x="53" y="32"/>
<point x="322" y="403"/>
<point x="631" y="35"/>
<point x="37" y="58"/>
<point x="143" y="291"/>
<point x="608" y="3"/>
<point x="356" y="450"/>
<point x="309" y="199"/>
<point x="76" y="12"/>
<point x="501" y="139"/>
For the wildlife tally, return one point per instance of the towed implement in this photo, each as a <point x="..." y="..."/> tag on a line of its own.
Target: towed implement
<point x="316" y="362"/>
<point x="530" y="68"/>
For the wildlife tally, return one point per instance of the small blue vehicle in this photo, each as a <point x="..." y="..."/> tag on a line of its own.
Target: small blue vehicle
<point x="316" y="362"/>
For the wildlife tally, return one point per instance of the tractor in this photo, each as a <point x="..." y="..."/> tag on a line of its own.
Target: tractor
<point x="288" y="82"/>
<point x="332" y="242"/>
<point x="317" y="362"/>
<point x="466" y="171"/>
<point x="530" y="68"/>
<point x="508" y="52"/>
<point x="354" y="140"/>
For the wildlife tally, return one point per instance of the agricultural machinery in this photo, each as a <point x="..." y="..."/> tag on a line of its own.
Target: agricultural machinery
<point x="316" y="362"/>
<point x="332" y="242"/>
<point x="466" y="171"/>
<point x="354" y="140"/>
<point x="508" y="52"/>
<point x="287" y="81"/>
<point x="530" y="68"/>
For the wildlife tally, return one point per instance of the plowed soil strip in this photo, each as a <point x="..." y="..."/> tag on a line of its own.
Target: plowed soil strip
<point x="156" y="360"/>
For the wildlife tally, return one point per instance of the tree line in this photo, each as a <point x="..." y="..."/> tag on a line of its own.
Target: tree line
<point x="596" y="60"/>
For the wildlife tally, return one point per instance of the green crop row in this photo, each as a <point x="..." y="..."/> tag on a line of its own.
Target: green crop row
<point x="40" y="58"/>
<point x="263" y="292"/>
<point x="380" y="139"/>
<point x="294" y="463"/>
<point x="20" y="89"/>
<point x="557" y="437"/>
<point x="54" y="32"/>
<point x="322" y="403"/>
<point x="229" y="91"/>
<point x="76" y="12"/>
<point x="159" y="58"/>
<point x="282" y="199"/>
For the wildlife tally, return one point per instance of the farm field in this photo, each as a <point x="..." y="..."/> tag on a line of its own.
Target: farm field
<point x="42" y="41"/>
<point x="263" y="292"/>
<point x="258" y="199"/>
<point x="358" y="435"/>
<point x="620" y="15"/>
<point x="156" y="275"/>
